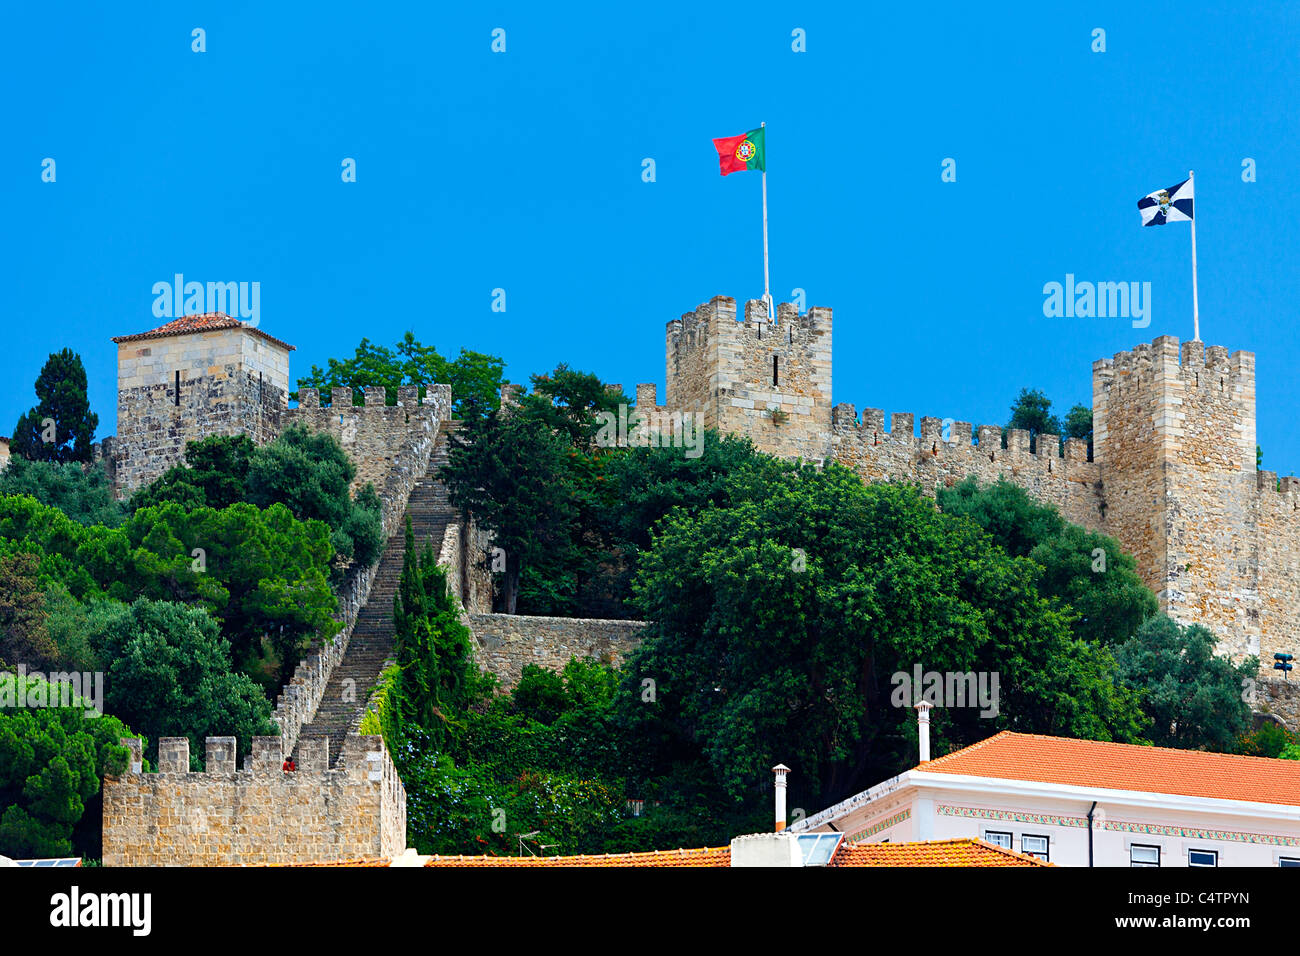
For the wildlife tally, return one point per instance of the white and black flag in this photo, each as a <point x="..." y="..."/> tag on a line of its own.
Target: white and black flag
<point x="1167" y="205"/>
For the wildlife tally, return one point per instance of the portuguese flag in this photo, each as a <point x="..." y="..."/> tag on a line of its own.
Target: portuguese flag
<point x="739" y="153"/>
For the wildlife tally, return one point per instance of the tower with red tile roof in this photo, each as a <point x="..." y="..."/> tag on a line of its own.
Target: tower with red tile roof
<point x="195" y="376"/>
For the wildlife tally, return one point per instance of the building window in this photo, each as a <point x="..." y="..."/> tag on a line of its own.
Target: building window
<point x="178" y="389"/>
<point x="1139" y="855"/>
<point x="1288" y="861"/>
<point x="775" y="375"/>
<point x="1202" y="857"/>
<point x="1034" y="846"/>
<point x="998" y="838"/>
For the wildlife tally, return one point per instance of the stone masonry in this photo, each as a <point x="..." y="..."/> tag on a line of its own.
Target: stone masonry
<point x="1172" y="476"/>
<point x="197" y="376"/>
<point x="769" y="381"/>
<point x="260" y="814"/>
<point x="504" y="643"/>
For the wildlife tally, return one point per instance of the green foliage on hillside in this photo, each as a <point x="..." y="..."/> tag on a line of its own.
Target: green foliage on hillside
<point x="1194" y="698"/>
<point x="520" y="481"/>
<point x="1084" y="571"/>
<point x="169" y="675"/>
<point x="261" y="574"/>
<point x="307" y="472"/>
<point x="52" y="766"/>
<point x="82" y="492"/>
<point x="778" y="621"/>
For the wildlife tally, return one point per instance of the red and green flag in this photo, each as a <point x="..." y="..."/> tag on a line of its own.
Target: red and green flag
<point x="739" y="153"/>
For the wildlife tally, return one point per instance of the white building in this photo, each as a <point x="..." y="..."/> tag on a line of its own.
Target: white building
<point x="1083" y="802"/>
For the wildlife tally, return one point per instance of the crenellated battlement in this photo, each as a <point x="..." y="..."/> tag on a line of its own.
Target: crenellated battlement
<point x="222" y="816"/>
<point x="376" y="396"/>
<point x="1065" y="478"/>
<point x="748" y="375"/>
<point x="962" y="437"/>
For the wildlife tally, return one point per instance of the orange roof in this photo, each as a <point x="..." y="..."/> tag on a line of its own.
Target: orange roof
<point x="206" y="322"/>
<point x="707" y="856"/>
<point x="934" y="853"/>
<point x="1093" y="763"/>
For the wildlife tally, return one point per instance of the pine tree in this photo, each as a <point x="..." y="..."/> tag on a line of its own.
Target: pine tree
<point x="63" y="403"/>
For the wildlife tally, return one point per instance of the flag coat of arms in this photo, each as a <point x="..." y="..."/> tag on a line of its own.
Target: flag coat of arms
<point x="1167" y="205"/>
<point x="739" y="153"/>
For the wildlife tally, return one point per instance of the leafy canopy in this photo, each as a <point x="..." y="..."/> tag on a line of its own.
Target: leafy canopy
<point x="780" y="618"/>
<point x="1193" y="697"/>
<point x="52" y="766"/>
<point x="1083" y="570"/>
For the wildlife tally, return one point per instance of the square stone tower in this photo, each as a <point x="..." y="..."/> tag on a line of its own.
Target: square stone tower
<point x="768" y="381"/>
<point x="1174" y="435"/>
<point x="196" y="376"/>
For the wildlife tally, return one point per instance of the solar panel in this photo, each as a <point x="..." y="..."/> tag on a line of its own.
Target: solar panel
<point x="818" y="848"/>
<point x="65" y="861"/>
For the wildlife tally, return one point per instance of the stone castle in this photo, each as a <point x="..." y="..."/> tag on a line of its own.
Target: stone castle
<point x="1171" y="476"/>
<point x="1172" y="473"/>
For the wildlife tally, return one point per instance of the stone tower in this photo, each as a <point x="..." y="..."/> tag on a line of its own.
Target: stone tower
<point x="196" y="376"/>
<point x="768" y="381"/>
<point x="1174" y="435"/>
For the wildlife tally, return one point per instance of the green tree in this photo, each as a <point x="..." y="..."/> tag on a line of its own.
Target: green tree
<point x="24" y="638"/>
<point x="213" y="475"/>
<point x="434" y="680"/>
<point x="82" y="492"/>
<point x="778" y="620"/>
<point x="1032" y="410"/>
<point x="568" y="401"/>
<point x="1078" y="424"/>
<point x="61" y="394"/>
<point x="170" y="676"/>
<point x="262" y="573"/>
<point x="1192" y="696"/>
<point x="52" y="765"/>
<point x="516" y="477"/>
<point x="474" y="377"/>
<point x="308" y="472"/>
<point x="1084" y="570"/>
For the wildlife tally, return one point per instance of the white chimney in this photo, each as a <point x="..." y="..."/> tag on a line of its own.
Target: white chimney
<point x="780" y="770"/>
<point x="923" y="728"/>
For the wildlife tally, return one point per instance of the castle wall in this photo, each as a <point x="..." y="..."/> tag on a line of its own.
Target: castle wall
<point x="261" y="814"/>
<point x="505" y="643"/>
<point x="231" y="382"/>
<point x="1279" y="584"/>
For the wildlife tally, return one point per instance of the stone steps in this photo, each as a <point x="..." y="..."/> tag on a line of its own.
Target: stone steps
<point x="372" y="641"/>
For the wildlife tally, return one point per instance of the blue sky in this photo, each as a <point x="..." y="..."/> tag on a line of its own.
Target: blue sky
<point x="523" y="171"/>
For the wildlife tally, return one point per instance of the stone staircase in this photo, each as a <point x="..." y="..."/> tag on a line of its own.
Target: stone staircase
<point x="372" y="644"/>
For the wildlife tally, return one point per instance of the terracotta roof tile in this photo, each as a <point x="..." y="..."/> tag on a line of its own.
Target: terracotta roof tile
<point x="707" y="856"/>
<point x="933" y="853"/>
<point x="1093" y="763"/>
<point x="190" y="324"/>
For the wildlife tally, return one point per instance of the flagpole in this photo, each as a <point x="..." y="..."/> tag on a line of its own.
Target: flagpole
<point x="767" y="285"/>
<point x="1196" y="309"/>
